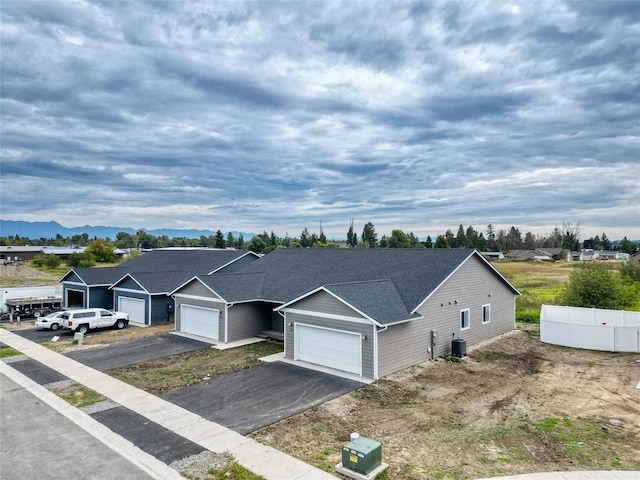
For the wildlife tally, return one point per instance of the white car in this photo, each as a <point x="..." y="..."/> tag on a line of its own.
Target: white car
<point x="50" y="322"/>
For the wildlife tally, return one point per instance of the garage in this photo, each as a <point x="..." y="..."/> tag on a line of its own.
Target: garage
<point x="199" y="321"/>
<point x="331" y="348"/>
<point x="75" y="298"/>
<point x="135" y="307"/>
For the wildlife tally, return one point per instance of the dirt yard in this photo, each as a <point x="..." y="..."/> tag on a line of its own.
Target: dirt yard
<point x="20" y="275"/>
<point x="513" y="406"/>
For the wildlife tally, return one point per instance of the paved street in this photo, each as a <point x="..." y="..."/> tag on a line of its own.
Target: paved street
<point x="37" y="442"/>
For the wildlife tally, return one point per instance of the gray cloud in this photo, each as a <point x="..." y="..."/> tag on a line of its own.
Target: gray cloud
<point x="262" y="115"/>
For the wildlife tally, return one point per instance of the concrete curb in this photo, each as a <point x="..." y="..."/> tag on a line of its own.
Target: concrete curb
<point x="149" y="464"/>
<point x="260" y="459"/>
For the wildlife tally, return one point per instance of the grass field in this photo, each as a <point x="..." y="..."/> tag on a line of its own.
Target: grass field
<point x="539" y="282"/>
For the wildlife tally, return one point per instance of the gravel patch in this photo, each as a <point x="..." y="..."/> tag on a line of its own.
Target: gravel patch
<point x="60" y="384"/>
<point x="14" y="358"/>
<point x="197" y="466"/>
<point x="100" y="407"/>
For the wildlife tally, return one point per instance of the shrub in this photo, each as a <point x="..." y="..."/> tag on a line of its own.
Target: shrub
<point x="593" y="285"/>
<point x="81" y="259"/>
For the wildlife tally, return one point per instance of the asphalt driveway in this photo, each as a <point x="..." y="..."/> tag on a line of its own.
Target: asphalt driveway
<point x="257" y="397"/>
<point x="124" y="354"/>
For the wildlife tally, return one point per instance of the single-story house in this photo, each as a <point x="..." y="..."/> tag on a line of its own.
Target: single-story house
<point x="368" y="312"/>
<point x="140" y="286"/>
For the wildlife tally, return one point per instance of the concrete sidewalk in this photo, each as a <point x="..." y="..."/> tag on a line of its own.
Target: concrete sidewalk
<point x="593" y="475"/>
<point x="258" y="458"/>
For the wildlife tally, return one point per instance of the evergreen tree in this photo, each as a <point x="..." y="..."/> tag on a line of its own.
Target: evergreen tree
<point x="369" y="236"/>
<point x="219" y="240"/>
<point x="305" y="238"/>
<point x="352" y="236"/>
<point x="428" y="243"/>
<point x="231" y="241"/>
<point x="442" y="242"/>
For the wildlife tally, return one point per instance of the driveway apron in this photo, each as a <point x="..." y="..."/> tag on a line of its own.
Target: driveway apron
<point x="254" y="398"/>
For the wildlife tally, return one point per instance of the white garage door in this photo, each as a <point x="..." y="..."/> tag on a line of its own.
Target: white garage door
<point x="330" y="348"/>
<point x="199" y="321"/>
<point x="134" y="307"/>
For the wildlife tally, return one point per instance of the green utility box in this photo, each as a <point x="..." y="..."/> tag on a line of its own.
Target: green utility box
<point x="362" y="455"/>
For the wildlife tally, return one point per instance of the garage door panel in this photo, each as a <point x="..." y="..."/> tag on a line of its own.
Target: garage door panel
<point x="336" y="349"/>
<point x="200" y="321"/>
<point x="135" y="307"/>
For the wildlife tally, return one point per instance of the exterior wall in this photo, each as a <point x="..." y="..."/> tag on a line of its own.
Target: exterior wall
<point x="472" y="286"/>
<point x="323" y="302"/>
<point x="365" y="329"/>
<point x="100" y="297"/>
<point x="247" y="319"/>
<point x="201" y="302"/>
<point x="142" y="296"/>
<point x="197" y="289"/>
<point x="159" y="309"/>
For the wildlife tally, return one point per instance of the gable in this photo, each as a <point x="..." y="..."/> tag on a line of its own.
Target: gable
<point x="72" y="277"/>
<point x="195" y="288"/>
<point x="129" y="283"/>
<point x="323" y="302"/>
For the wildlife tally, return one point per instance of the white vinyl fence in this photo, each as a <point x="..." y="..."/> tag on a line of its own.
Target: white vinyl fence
<point x="590" y="328"/>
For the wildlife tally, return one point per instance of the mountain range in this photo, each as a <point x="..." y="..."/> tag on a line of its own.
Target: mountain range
<point x="33" y="230"/>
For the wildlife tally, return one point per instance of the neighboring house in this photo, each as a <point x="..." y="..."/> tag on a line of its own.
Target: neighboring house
<point x="636" y="257"/>
<point x="140" y="286"/>
<point x="14" y="253"/>
<point x="493" y="255"/>
<point x="588" y="255"/>
<point x="531" y="255"/>
<point x="369" y="312"/>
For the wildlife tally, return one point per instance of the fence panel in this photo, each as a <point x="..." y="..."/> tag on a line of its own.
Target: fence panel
<point x="590" y="328"/>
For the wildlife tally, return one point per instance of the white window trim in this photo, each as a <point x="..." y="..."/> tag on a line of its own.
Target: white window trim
<point x="486" y="306"/>
<point x="468" y="310"/>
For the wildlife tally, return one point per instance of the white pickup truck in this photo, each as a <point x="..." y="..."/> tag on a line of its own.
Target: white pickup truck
<point x="87" y="319"/>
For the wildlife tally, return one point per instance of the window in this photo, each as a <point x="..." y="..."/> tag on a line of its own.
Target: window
<point x="486" y="313"/>
<point x="465" y="317"/>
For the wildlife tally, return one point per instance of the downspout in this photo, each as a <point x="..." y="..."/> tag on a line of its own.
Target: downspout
<point x="227" y="306"/>
<point x="375" y="350"/>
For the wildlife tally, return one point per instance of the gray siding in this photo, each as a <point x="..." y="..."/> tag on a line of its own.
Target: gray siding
<point x="196" y="289"/>
<point x="159" y="304"/>
<point x="201" y="303"/>
<point x="129" y="283"/>
<point x="247" y="319"/>
<point x="100" y="297"/>
<point x="141" y="296"/>
<point x="472" y="286"/>
<point x="323" y="302"/>
<point x="361" y="328"/>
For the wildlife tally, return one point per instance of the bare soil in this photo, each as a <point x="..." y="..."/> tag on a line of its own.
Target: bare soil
<point x="20" y="275"/>
<point x="185" y="369"/>
<point x="514" y="405"/>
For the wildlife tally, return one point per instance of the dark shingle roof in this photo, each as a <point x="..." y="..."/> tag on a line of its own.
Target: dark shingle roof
<point x="386" y="284"/>
<point x="159" y="283"/>
<point x="99" y="275"/>
<point x="290" y="273"/>
<point x="378" y="299"/>
<point x="198" y="261"/>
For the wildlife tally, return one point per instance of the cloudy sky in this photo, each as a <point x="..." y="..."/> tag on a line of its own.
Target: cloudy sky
<point x="280" y="115"/>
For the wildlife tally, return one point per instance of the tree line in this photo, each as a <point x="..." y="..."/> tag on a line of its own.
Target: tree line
<point x="491" y="239"/>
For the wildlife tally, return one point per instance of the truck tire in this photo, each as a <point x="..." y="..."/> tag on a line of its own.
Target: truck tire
<point x="120" y="324"/>
<point x="37" y="313"/>
<point x="84" y="328"/>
